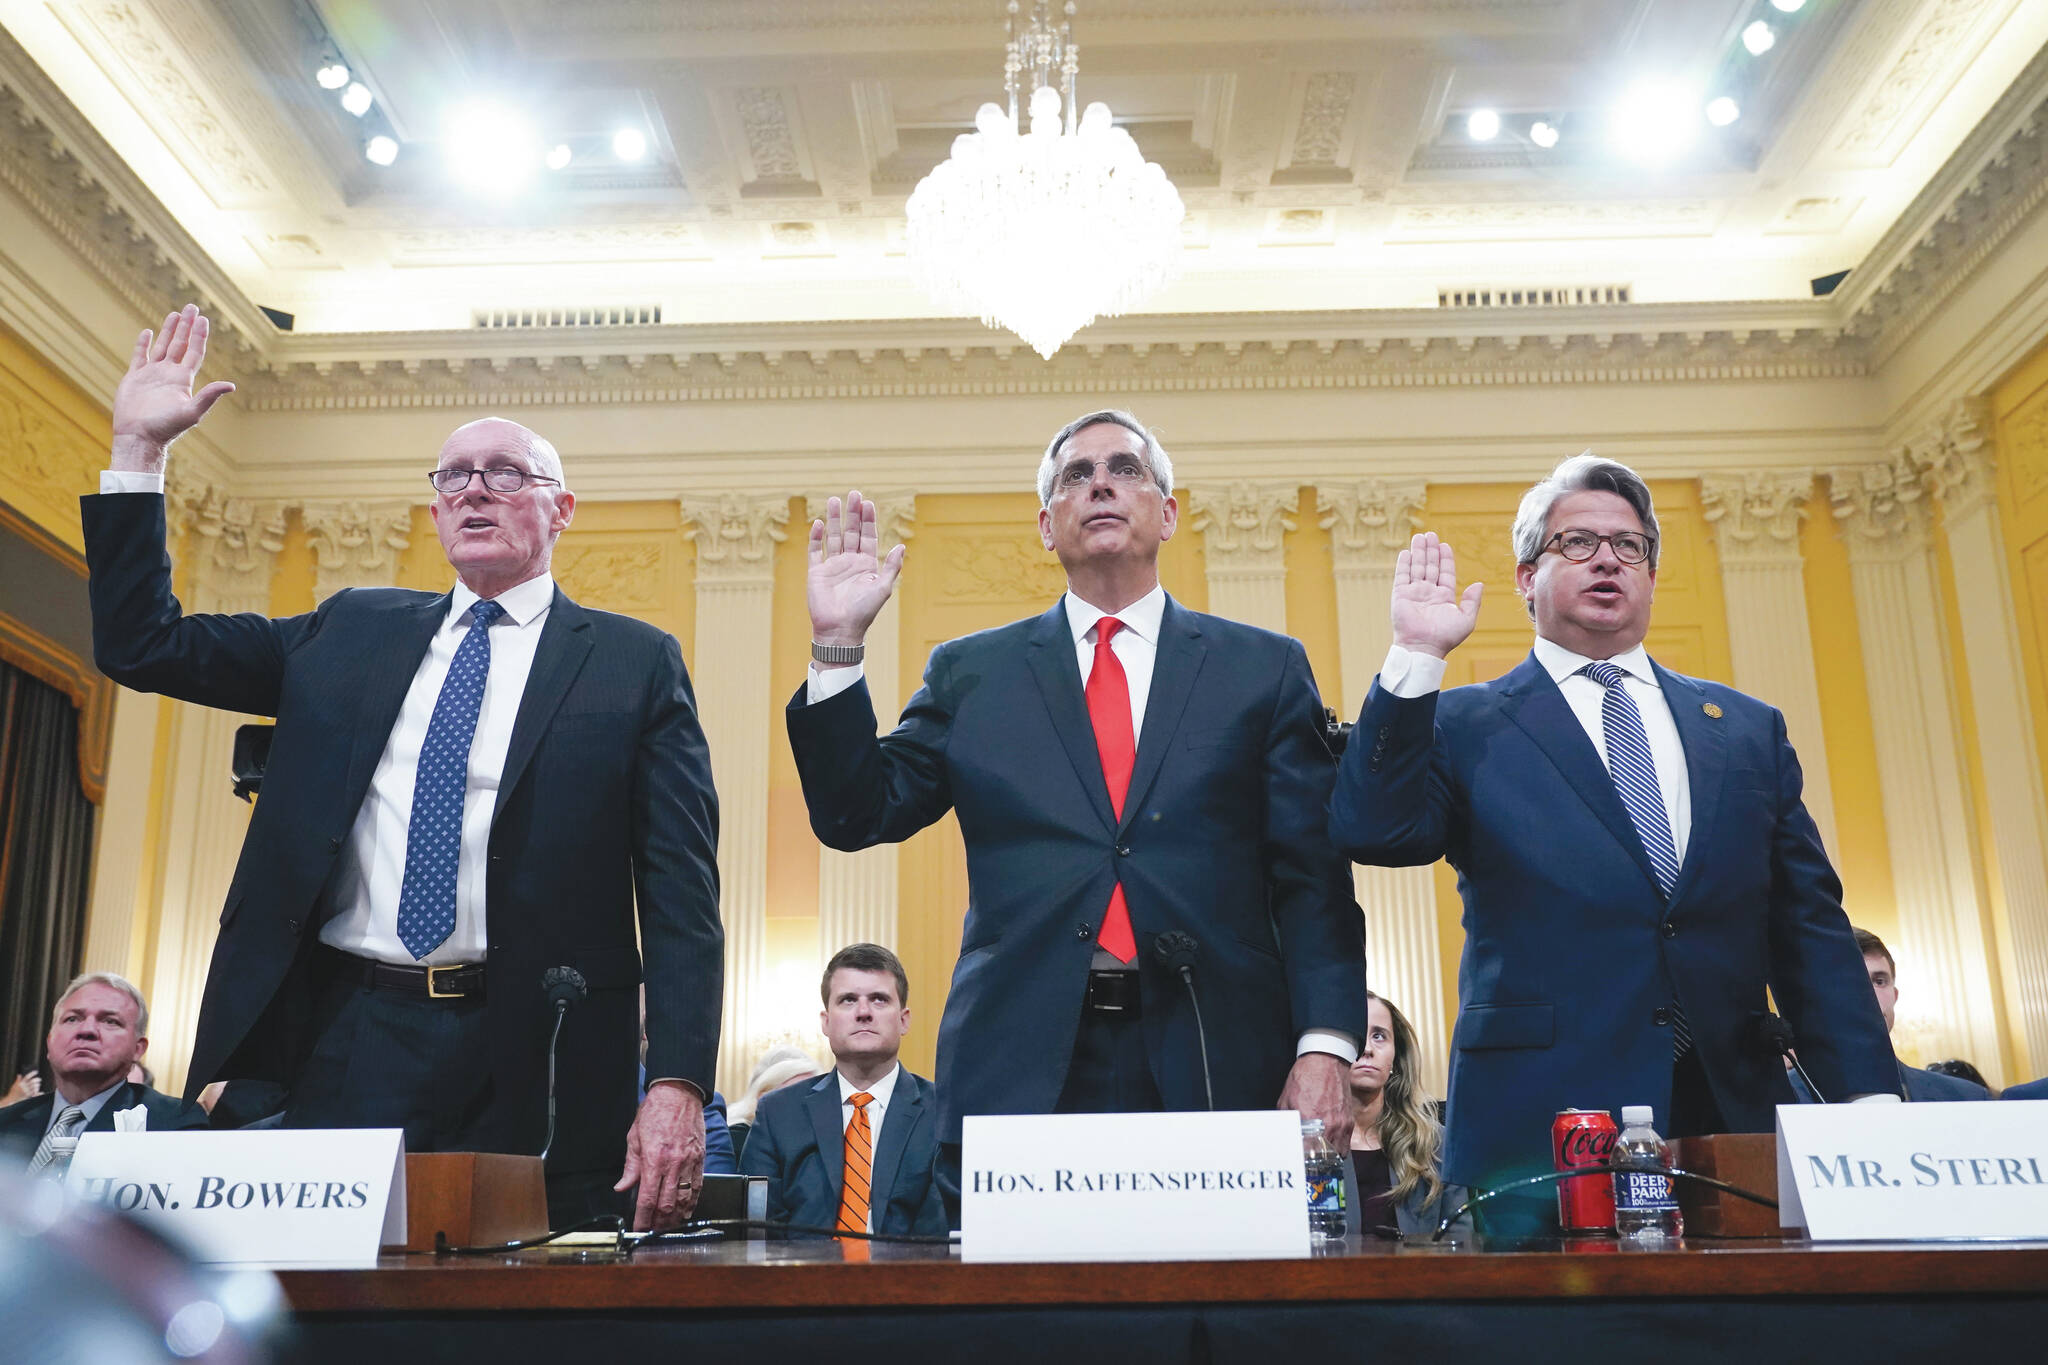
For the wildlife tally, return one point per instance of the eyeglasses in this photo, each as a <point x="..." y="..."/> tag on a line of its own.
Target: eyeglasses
<point x="502" y="479"/>
<point x="1630" y="547"/>
<point x="1122" y="468"/>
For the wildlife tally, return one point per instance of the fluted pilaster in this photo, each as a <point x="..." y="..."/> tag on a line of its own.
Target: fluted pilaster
<point x="1244" y="530"/>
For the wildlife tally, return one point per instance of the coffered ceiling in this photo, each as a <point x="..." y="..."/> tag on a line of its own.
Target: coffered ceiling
<point x="1320" y="145"/>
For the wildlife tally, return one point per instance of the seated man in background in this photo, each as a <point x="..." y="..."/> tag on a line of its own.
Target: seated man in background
<point x="1921" y="1086"/>
<point x="99" y="1029"/>
<point x="855" y="1149"/>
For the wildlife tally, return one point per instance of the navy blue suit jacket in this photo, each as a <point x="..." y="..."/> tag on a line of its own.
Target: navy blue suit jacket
<point x="1222" y="837"/>
<point x="605" y="803"/>
<point x="1572" y="957"/>
<point x="2030" y="1090"/>
<point x="1921" y="1087"/>
<point x="799" y="1142"/>
<point x="22" y="1125"/>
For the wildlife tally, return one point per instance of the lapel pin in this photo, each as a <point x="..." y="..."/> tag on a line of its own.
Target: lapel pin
<point x="1713" y="711"/>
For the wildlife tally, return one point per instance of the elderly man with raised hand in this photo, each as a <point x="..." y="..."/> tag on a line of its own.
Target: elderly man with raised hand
<point x="465" y="789"/>
<point x="98" y="1031"/>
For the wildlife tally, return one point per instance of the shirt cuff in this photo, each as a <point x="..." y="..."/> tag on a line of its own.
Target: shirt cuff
<point x="1411" y="673"/>
<point x="828" y="683"/>
<point x="1341" y="1045"/>
<point x="1879" y="1098"/>
<point x="130" y="481"/>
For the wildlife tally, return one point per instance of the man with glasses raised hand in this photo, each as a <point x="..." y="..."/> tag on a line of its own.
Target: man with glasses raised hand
<point x="1635" y="861"/>
<point x="1121" y="767"/>
<point x="464" y="790"/>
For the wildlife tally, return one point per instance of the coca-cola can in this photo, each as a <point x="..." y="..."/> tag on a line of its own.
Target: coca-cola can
<point x="1585" y="1204"/>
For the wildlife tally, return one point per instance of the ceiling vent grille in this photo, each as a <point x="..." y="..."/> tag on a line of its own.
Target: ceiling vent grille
<point x="614" y="315"/>
<point x="1533" y="296"/>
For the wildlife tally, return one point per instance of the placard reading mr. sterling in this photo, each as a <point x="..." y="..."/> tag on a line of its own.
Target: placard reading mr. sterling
<point x="1084" y="1187"/>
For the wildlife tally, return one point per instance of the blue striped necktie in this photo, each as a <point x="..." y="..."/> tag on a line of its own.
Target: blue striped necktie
<point x="433" y="837"/>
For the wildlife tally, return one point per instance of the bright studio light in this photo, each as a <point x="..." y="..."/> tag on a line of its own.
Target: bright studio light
<point x="1483" y="125"/>
<point x="1723" y="111"/>
<point x="1543" y="134"/>
<point x="490" y="148"/>
<point x="1653" y="123"/>
<point x="381" y="150"/>
<point x="1788" y="6"/>
<point x="629" y="144"/>
<point x="332" y="75"/>
<point x="1759" y="38"/>
<point x="357" y="99"/>
<point x="558" y="156"/>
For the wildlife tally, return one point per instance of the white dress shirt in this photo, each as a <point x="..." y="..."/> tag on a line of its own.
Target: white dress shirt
<point x="878" y="1110"/>
<point x="91" y="1105"/>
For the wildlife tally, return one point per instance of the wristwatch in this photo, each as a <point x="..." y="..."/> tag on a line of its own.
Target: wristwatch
<point x="838" y="654"/>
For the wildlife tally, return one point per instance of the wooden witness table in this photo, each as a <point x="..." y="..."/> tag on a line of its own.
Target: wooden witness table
<point x="794" y="1300"/>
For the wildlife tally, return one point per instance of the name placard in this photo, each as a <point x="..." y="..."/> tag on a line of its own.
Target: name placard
<point x="310" y="1196"/>
<point x="1893" y="1172"/>
<point x="1155" y="1187"/>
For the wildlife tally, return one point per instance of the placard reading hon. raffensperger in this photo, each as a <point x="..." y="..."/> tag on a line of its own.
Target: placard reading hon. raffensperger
<point x="1164" y="1187"/>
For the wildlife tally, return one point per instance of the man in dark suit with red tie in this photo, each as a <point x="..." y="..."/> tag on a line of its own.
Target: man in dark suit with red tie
<point x="1121" y="767"/>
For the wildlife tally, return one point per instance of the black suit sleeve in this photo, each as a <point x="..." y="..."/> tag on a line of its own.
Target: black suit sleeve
<point x="861" y="790"/>
<point x="1393" y="802"/>
<point x="675" y="880"/>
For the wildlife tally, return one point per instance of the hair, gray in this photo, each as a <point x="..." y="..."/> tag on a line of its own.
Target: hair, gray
<point x="1583" y="473"/>
<point x="119" y="983"/>
<point x="1162" y="463"/>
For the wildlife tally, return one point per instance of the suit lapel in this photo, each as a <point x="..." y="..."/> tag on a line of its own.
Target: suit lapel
<point x="824" y="1107"/>
<point x="127" y="1097"/>
<point x="391" y="671"/>
<point x="906" y="1109"/>
<point x="565" y="642"/>
<point x="1705" y="741"/>
<point x="1054" y="665"/>
<point x="1532" y="701"/>
<point x="1174" y="666"/>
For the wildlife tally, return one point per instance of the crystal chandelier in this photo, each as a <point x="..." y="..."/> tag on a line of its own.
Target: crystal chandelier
<point x="1045" y="231"/>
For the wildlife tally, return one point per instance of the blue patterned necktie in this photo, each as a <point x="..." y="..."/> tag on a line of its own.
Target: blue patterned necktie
<point x="433" y="839"/>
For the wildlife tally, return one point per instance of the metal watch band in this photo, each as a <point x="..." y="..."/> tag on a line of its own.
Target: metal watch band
<point x="838" y="654"/>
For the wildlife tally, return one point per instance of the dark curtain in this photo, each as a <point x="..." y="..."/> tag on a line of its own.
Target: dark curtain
<point x="45" y="862"/>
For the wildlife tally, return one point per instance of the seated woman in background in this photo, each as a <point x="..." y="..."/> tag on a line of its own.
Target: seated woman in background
<point x="1397" y="1139"/>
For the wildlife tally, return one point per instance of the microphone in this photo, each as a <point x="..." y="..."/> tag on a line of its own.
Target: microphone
<point x="563" y="987"/>
<point x="1176" y="950"/>
<point x="1771" y="1036"/>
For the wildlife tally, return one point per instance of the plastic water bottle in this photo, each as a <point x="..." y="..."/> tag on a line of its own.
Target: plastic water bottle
<point x="1645" y="1206"/>
<point x="1323" y="1171"/>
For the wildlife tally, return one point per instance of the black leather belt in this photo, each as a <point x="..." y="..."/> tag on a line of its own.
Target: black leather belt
<point x="1113" y="993"/>
<point x="455" y="981"/>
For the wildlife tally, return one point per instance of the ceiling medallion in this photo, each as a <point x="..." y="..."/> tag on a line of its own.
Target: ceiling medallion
<point x="1045" y="231"/>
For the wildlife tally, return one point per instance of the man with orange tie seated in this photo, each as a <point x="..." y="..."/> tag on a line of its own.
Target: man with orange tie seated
<point x="855" y="1149"/>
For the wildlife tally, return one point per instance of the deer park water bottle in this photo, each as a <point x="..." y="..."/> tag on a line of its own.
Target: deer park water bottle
<point x="1323" y="1168"/>
<point x="1645" y="1205"/>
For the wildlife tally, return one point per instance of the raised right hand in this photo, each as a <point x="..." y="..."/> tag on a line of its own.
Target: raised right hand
<point x="847" y="586"/>
<point x="1430" y="616"/>
<point x="154" y="404"/>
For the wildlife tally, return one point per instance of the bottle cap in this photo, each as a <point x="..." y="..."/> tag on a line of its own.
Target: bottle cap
<point x="1637" y="1115"/>
<point x="1311" y="1126"/>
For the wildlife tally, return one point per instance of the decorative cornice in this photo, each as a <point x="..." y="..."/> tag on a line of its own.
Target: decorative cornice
<point x="1370" y="520"/>
<point x="1954" y="458"/>
<point x="1881" y="510"/>
<point x="1756" y="513"/>
<point x="1244" y="526"/>
<point x="736" y="535"/>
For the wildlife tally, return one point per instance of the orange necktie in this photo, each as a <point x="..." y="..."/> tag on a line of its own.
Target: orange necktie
<point x="1109" y="711"/>
<point x="860" y="1168"/>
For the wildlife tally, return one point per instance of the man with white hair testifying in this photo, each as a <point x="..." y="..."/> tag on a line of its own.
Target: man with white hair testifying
<point x="1635" y="861"/>
<point x="466" y="789"/>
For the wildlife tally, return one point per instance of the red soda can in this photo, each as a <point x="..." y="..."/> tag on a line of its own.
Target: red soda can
<point x="1585" y="1204"/>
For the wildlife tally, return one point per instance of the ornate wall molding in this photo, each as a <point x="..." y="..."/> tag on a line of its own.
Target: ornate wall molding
<point x="736" y="535"/>
<point x="1244" y="526"/>
<point x="1370" y="520"/>
<point x="1880" y="510"/>
<point x="1756" y="513"/>
<point x="1955" y="460"/>
<point x="355" y="544"/>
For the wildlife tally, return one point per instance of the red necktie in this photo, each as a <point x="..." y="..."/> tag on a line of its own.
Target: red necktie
<point x="1109" y="711"/>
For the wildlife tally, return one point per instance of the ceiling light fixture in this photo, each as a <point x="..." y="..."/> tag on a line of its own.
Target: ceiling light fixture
<point x="1044" y="231"/>
<point x="1723" y="111"/>
<point x="1483" y="125"/>
<point x="558" y="156"/>
<point x="381" y="150"/>
<point x="629" y="144"/>
<point x="333" y="74"/>
<point x="1653" y="122"/>
<point x="1788" y="6"/>
<point x="357" y="99"/>
<point x="1759" y="38"/>
<point x="489" y="147"/>
<point x="1543" y="134"/>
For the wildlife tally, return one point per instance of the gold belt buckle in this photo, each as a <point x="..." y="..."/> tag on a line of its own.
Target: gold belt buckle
<point x="434" y="992"/>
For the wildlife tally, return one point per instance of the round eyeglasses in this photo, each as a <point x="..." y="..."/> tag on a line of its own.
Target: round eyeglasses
<point x="502" y="479"/>
<point x="1630" y="547"/>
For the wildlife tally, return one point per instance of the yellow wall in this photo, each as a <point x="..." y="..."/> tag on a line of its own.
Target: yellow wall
<point x="53" y="441"/>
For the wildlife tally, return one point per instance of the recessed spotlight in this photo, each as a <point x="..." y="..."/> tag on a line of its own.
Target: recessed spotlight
<point x="1788" y="6"/>
<point x="1543" y="134"/>
<point x="1759" y="38"/>
<point x="558" y="156"/>
<point x="332" y="75"/>
<point x="357" y="99"/>
<point x="1483" y="125"/>
<point x="629" y="144"/>
<point x="1653" y="122"/>
<point x="381" y="150"/>
<point x="1723" y="111"/>
<point x="490" y="147"/>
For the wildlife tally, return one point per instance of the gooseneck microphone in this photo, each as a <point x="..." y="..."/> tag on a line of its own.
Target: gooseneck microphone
<point x="1176" y="951"/>
<point x="563" y="986"/>
<point x="1771" y="1036"/>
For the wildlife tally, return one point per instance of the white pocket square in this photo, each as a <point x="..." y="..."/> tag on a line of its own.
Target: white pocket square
<point x="134" y="1120"/>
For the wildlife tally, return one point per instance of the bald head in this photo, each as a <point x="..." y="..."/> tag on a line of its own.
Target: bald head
<point x="499" y="539"/>
<point x="503" y="432"/>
